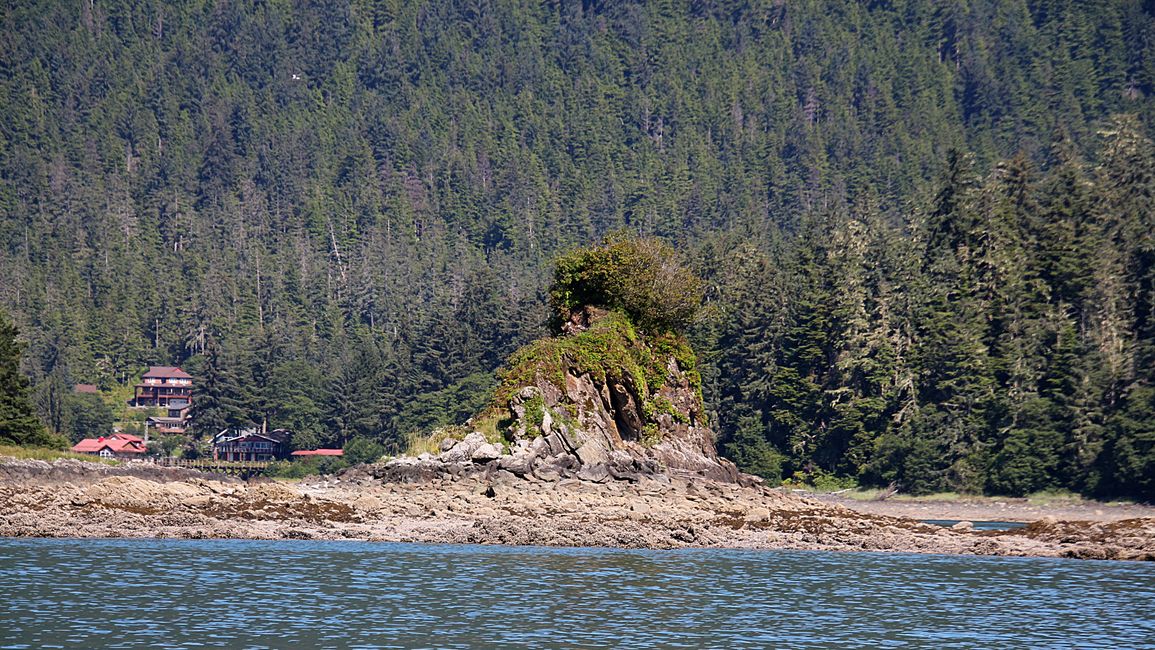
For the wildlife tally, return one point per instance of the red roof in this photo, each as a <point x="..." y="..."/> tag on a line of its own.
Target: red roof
<point x="127" y="436"/>
<point x="116" y="444"/>
<point x="167" y="372"/>
<point x="88" y="445"/>
<point x="86" y="388"/>
<point x="319" y="452"/>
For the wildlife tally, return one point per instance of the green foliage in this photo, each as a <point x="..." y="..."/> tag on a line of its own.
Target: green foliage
<point x="449" y="405"/>
<point x="638" y="276"/>
<point x="296" y="469"/>
<point x="336" y="214"/>
<point x="88" y="417"/>
<point x="748" y="447"/>
<point x="535" y="411"/>
<point x="610" y="350"/>
<point x="651" y="435"/>
<point x="18" y="422"/>
<point x="821" y="481"/>
<point x="362" y="450"/>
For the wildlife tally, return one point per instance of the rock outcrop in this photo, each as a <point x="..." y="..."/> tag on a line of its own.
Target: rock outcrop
<point x="72" y="499"/>
<point x="600" y="402"/>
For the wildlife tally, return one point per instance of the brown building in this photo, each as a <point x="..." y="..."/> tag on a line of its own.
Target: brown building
<point x="162" y="385"/>
<point x="175" y="419"/>
<point x="251" y="444"/>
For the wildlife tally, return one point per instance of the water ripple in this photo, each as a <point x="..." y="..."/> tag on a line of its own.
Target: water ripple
<point x="258" y="594"/>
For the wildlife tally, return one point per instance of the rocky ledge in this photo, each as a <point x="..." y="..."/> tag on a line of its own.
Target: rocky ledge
<point x="74" y="499"/>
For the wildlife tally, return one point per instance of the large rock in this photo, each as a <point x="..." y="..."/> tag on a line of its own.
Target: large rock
<point x="464" y="449"/>
<point x="610" y="422"/>
<point x="485" y="453"/>
<point x="601" y="403"/>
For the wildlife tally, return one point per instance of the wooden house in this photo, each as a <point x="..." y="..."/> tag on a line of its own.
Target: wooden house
<point x="175" y="419"/>
<point x="162" y="385"/>
<point x="251" y="445"/>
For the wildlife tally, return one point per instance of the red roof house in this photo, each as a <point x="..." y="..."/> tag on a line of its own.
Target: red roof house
<point x="118" y="445"/>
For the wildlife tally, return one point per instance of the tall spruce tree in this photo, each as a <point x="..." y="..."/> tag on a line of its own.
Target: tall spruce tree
<point x="18" y="422"/>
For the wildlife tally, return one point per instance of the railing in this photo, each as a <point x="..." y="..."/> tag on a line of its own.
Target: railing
<point x="242" y="468"/>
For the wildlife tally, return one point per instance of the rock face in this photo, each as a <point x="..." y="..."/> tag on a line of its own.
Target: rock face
<point x="599" y="403"/>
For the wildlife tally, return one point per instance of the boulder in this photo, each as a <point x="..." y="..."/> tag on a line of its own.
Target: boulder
<point x="485" y="453"/>
<point x="463" y="449"/>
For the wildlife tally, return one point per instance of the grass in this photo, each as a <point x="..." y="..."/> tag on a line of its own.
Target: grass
<point x="42" y="453"/>
<point x="417" y="443"/>
<point x="488" y="424"/>
<point x="612" y="349"/>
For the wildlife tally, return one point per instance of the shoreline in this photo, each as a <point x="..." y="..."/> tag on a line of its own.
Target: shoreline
<point x="68" y="499"/>
<point x="1008" y="509"/>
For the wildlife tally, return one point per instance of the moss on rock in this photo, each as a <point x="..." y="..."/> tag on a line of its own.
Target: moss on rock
<point x="611" y="350"/>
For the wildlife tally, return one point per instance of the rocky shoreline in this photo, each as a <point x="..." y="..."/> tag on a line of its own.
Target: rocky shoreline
<point x="67" y="498"/>
<point x="994" y="509"/>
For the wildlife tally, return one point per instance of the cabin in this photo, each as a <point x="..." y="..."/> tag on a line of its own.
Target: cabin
<point x="251" y="445"/>
<point x="122" y="446"/>
<point x="175" y="419"/>
<point x="162" y="385"/>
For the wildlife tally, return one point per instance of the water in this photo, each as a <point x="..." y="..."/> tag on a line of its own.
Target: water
<point x="978" y="525"/>
<point x="296" y="594"/>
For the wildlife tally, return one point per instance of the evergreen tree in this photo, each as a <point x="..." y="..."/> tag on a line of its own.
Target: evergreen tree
<point x="18" y="422"/>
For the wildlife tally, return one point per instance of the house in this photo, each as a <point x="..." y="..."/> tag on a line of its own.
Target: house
<point x="162" y="385"/>
<point x="307" y="453"/>
<point x="175" y="419"/>
<point x="86" y="389"/>
<point x="251" y="445"/>
<point x="118" y="445"/>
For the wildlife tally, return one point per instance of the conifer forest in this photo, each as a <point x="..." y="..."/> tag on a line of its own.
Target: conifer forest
<point x="925" y="230"/>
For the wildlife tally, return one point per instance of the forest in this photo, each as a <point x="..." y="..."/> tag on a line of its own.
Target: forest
<point x="925" y="229"/>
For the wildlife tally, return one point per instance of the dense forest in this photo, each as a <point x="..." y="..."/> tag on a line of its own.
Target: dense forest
<point x="925" y="228"/>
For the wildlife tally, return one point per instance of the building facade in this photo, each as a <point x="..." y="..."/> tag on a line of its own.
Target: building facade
<point x="162" y="385"/>
<point x="175" y="419"/>
<point x="251" y="445"/>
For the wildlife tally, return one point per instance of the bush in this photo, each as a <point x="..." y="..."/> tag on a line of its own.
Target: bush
<point x="318" y="465"/>
<point x="639" y="276"/>
<point x="363" y="450"/>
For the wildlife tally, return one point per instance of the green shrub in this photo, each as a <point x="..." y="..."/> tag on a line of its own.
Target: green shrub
<point x="638" y="276"/>
<point x="363" y="450"/>
<point x="313" y="466"/>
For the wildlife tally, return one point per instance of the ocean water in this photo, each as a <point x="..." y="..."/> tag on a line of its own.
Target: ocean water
<point x="67" y="593"/>
<point x="977" y="525"/>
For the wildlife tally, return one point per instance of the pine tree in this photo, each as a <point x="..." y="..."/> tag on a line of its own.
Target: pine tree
<point x="18" y="422"/>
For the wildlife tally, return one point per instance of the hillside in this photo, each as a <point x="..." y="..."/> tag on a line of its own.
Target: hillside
<point x="926" y="230"/>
